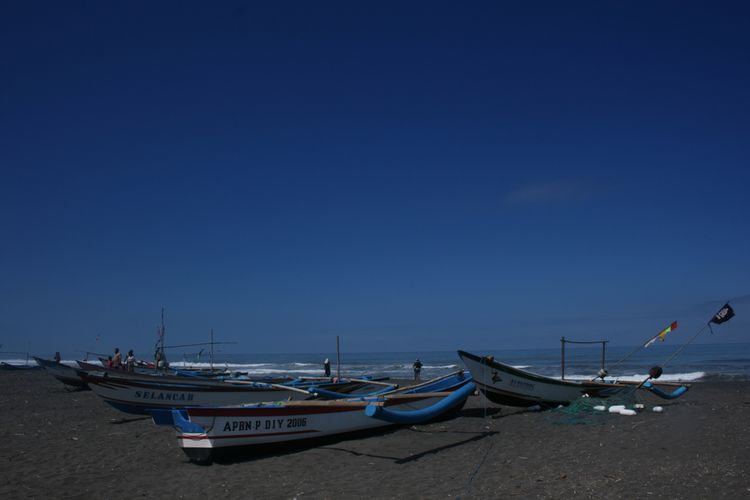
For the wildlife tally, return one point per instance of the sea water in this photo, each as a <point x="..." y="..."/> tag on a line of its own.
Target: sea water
<point x="695" y="362"/>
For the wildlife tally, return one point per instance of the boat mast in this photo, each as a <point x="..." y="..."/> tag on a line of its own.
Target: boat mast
<point x="162" y="330"/>
<point x="338" y="359"/>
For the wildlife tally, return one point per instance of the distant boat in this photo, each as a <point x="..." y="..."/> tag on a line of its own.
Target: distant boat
<point x="202" y="430"/>
<point x="505" y="385"/>
<point x="28" y="364"/>
<point x="9" y="366"/>
<point x="64" y="373"/>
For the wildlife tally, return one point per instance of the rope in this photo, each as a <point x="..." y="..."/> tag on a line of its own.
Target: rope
<point x="678" y="351"/>
<point x="476" y="470"/>
<point x="487" y="423"/>
<point x="626" y="357"/>
<point x="736" y="299"/>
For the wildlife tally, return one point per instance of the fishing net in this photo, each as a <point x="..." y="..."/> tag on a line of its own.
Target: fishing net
<point x="588" y="411"/>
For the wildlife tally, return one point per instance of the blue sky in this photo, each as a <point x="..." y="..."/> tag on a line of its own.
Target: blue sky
<point x="428" y="176"/>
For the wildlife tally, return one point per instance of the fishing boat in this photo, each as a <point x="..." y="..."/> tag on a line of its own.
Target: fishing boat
<point x="64" y="373"/>
<point x="139" y="368"/>
<point x="10" y="366"/>
<point x="201" y="431"/>
<point x="27" y="363"/>
<point x="506" y="385"/>
<point x="140" y="394"/>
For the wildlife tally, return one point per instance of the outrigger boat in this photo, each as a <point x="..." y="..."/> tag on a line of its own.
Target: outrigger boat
<point x="64" y="373"/>
<point x="139" y="394"/>
<point x="27" y="365"/>
<point x="200" y="431"/>
<point x="9" y="366"/>
<point x="506" y="385"/>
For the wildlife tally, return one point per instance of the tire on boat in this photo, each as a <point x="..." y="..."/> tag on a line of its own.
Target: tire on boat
<point x="200" y="456"/>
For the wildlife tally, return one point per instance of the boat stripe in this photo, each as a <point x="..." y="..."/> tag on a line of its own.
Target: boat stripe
<point x="268" y="412"/>
<point x="238" y="436"/>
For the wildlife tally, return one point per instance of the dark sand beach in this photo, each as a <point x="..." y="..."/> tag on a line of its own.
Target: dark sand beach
<point x="59" y="444"/>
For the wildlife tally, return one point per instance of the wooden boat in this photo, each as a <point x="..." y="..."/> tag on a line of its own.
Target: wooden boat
<point x="27" y="364"/>
<point x="144" y="369"/>
<point x="139" y="394"/>
<point x="64" y="373"/>
<point x="9" y="366"/>
<point x="138" y="368"/>
<point x="506" y="385"/>
<point x="202" y="430"/>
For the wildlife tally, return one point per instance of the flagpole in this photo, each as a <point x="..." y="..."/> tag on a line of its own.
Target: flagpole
<point x="642" y="346"/>
<point x="678" y="351"/>
<point x="725" y="314"/>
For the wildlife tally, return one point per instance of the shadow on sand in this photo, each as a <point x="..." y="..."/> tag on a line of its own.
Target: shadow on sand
<point x="255" y="452"/>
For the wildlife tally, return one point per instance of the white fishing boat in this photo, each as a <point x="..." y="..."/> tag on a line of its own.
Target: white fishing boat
<point x="202" y="430"/>
<point x="140" y="394"/>
<point x="506" y="385"/>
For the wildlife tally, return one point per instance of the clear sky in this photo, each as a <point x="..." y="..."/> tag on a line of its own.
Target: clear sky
<point x="407" y="175"/>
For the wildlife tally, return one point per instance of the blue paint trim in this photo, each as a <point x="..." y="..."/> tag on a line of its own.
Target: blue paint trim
<point x="666" y="395"/>
<point x="181" y="421"/>
<point x="423" y="415"/>
<point x="162" y="417"/>
<point x="337" y="395"/>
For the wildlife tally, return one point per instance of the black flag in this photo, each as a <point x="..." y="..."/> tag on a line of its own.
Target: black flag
<point x="725" y="314"/>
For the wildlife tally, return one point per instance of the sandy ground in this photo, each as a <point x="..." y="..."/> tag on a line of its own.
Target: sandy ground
<point x="60" y="444"/>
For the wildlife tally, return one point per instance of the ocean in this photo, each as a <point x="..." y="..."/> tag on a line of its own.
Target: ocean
<point x="694" y="363"/>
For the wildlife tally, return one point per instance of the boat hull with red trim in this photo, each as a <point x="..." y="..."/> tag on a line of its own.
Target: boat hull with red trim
<point x="202" y="430"/>
<point x="141" y="394"/>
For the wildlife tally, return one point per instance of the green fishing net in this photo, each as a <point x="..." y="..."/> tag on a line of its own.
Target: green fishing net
<point x="582" y="411"/>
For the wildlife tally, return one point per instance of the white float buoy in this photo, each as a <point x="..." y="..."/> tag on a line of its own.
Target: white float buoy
<point x="600" y="408"/>
<point x="627" y="412"/>
<point x="616" y="408"/>
<point x="658" y="409"/>
<point x="639" y="406"/>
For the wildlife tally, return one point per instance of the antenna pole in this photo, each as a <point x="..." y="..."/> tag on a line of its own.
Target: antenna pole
<point x="338" y="359"/>
<point x="562" y="364"/>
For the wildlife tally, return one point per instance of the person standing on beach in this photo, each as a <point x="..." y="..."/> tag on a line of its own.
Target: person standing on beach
<point x="57" y="357"/>
<point x="417" y="369"/>
<point x="130" y="361"/>
<point x="327" y="367"/>
<point x="117" y="360"/>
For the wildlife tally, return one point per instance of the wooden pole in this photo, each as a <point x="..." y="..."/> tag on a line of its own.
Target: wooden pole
<point x="161" y="341"/>
<point x="212" y="350"/>
<point x="338" y="359"/>
<point x="562" y="369"/>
